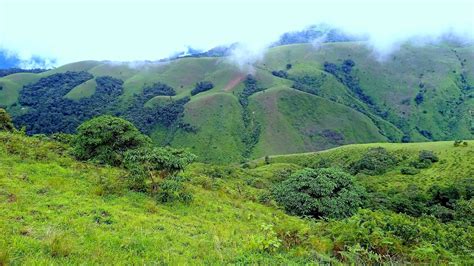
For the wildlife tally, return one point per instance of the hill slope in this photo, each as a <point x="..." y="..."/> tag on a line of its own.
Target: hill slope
<point x="418" y="93"/>
<point x="55" y="210"/>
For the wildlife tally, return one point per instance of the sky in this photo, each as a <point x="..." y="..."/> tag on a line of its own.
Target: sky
<point x="129" y="30"/>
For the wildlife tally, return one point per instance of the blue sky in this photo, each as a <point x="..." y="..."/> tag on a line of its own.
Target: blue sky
<point x="128" y="30"/>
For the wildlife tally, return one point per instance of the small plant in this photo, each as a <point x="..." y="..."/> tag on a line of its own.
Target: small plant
<point x="58" y="244"/>
<point x="173" y="189"/>
<point x="267" y="241"/>
<point x="458" y="143"/>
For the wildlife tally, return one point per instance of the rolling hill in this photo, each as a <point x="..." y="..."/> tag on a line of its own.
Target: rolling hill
<point x="298" y="98"/>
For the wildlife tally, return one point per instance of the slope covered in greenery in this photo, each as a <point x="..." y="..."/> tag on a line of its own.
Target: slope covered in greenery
<point x="56" y="210"/>
<point x="304" y="98"/>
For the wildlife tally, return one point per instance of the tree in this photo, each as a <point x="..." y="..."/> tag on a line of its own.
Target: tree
<point x="375" y="161"/>
<point x="156" y="164"/>
<point x="5" y="121"/>
<point x="320" y="193"/>
<point x="104" y="139"/>
<point x="201" y="87"/>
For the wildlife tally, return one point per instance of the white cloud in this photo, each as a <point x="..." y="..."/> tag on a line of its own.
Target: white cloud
<point x="148" y="30"/>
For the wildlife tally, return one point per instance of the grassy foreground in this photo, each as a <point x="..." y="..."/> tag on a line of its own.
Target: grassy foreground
<point x="55" y="210"/>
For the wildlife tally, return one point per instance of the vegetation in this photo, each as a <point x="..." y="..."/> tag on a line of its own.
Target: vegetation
<point x="9" y="71"/>
<point x="201" y="87"/>
<point x="6" y="123"/>
<point x="105" y="139"/>
<point x="375" y="161"/>
<point x="320" y="193"/>
<point x="156" y="165"/>
<point x="225" y="214"/>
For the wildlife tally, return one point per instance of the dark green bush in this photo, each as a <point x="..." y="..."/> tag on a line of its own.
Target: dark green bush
<point x="423" y="164"/>
<point x="104" y="140"/>
<point x="428" y="155"/>
<point x="375" y="161"/>
<point x="409" y="171"/>
<point x="202" y="87"/>
<point x="320" y="193"/>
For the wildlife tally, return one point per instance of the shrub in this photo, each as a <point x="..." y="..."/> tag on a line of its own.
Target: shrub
<point x="409" y="171"/>
<point x="319" y="193"/>
<point x="173" y="189"/>
<point x="464" y="211"/>
<point x="428" y="155"/>
<point x="425" y="159"/>
<point x="421" y="164"/>
<point x="202" y="87"/>
<point x="155" y="164"/>
<point x="104" y="139"/>
<point x="6" y="123"/>
<point x="280" y="73"/>
<point x="458" y="143"/>
<point x="375" y="161"/>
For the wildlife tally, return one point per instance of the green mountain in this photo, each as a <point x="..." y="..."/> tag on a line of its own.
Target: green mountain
<point x="55" y="210"/>
<point x="299" y="98"/>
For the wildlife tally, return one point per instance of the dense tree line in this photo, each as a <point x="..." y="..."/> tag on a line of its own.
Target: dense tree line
<point x="252" y="126"/>
<point x="202" y="87"/>
<point x="49" y="111"/>
<point x="9" y="71"/>
<point x="157" y="89"/>
<point x="145" y="118"/>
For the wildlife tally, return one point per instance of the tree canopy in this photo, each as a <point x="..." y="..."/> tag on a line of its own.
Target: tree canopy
<point x="104" y="139"/>
<point x="319" y="193"/>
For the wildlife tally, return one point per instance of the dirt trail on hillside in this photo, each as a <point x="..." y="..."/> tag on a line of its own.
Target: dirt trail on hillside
<point x="234" y="82"/>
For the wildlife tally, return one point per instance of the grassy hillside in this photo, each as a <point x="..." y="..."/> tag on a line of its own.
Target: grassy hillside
<point x="55" y="210"/>
<point x="418" y="93"/>
<point x="455" y="162"/>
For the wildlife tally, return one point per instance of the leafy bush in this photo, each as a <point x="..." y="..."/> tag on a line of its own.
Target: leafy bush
<point x="280" y="73"/>
<point x="6" y="123"/>
<point x="409" y="171"/>
<point x="104" y="139"/>
<point x="156" y="164"/>
<point x="201" y="87"/>
<point x="458" y="143"/>
<point x="173" y="189"/>
<point x="320" y="193"/>
<point x="375" y="161"/>
<point x="401" y="238"/>
<point x="425" y="159"/>
<point x="428" y="155"/>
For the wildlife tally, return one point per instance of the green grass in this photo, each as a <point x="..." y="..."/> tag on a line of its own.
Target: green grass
<point x="294" y="121"/>
<point x="218" y="120"/>
<point x="55" y="210"/>
<point x="455" y="162"/>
